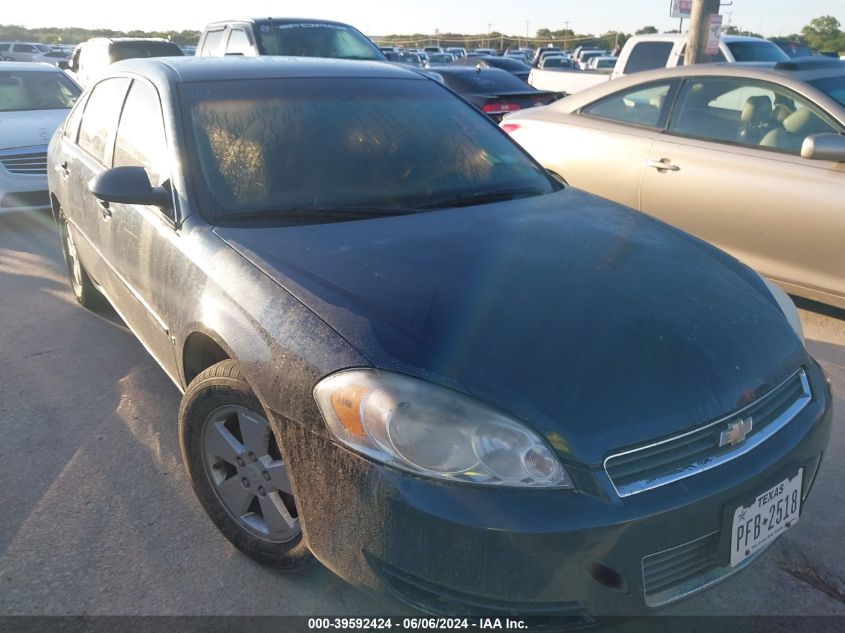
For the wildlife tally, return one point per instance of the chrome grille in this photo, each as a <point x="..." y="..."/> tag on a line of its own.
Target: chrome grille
<point x="25" y="161"/>
<point x="667" y="570"/>
<point x="663" y="462"/>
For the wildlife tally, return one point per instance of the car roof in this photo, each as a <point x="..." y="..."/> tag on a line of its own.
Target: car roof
<point x="189" y="69"/>
<point x="272" y="20"/>
<point x="38" y="67"/>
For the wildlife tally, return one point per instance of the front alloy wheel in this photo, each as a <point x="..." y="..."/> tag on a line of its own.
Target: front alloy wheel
<point x="243" y="463"/>
<point x="237" y="468"/>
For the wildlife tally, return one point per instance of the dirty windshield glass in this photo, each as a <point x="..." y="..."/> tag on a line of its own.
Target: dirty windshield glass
<point x="283" y="146"/>
<point x="315" y="40"/>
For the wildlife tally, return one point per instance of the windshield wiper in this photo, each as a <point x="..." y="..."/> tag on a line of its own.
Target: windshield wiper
<point x="481" y="197"/>
<point x="318" y="213"/>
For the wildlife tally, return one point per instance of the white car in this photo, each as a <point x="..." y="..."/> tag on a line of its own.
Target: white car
<point x="34" y="101"/>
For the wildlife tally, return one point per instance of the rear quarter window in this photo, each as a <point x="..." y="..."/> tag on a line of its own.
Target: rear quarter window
<point x="212" y="43"/>
<point x="648" y="56"/>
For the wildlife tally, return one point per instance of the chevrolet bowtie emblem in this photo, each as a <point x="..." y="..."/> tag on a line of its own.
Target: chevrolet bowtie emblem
<point x="736" y="432"/>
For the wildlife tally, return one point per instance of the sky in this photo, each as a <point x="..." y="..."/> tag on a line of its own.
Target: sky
<point x="769" y="17"/>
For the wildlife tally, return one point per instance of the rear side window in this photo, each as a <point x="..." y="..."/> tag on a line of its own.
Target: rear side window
<point x="72" y="124"/>
<point x="135" y="49"/>
<point x="212" y="44"/>
<point x="25" y="48"/>
<point x="648" y="56"/>
<point x="638" y="106"/>
<point x="99" y="120"/>
<point x="238" y="43"/>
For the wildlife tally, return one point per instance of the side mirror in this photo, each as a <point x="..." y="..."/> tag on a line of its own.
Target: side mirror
<point x="824" y="147"/>
<point x="64" y="65"/>
<point x="128" y="185"/>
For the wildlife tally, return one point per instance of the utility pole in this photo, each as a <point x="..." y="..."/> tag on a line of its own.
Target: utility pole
<point x="698" y="29"/>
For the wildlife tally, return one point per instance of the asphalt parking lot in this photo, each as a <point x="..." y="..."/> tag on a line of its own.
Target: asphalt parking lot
<point x="98" y="517"/>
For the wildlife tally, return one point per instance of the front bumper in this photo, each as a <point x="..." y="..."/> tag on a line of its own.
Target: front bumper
<point x="450" y="548"/>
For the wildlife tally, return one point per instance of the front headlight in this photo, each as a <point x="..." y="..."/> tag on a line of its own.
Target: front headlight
<point x="430" y="430"/>
<point x="787" y="307"/>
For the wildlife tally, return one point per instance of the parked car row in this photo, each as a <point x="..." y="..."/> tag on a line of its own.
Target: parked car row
<point x="410" y="349"/>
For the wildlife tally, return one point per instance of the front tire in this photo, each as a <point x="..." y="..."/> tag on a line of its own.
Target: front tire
<point x="237" y="469"/>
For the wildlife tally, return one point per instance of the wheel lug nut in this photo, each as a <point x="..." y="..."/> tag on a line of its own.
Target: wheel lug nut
<point x="253" y="457"/>
<point x="261" y="491"/>
<point x="266" y="475"/>
<point x="245" y="482"/>
<point x="239" y="461"/>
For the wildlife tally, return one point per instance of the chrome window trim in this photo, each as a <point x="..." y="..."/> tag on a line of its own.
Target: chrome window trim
<point x="741" y="449"/>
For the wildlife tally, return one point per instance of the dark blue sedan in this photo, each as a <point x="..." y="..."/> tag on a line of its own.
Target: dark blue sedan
<point x="408" y="351"/>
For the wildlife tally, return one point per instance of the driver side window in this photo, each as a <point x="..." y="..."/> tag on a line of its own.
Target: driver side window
<point x="746" y="112"/>
<point x="140" y="134"/>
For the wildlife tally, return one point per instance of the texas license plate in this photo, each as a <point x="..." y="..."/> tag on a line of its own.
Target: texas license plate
<point x="772" y="513"/>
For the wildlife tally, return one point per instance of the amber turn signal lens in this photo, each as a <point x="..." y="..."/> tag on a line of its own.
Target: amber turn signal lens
<point x="346" y="403"/>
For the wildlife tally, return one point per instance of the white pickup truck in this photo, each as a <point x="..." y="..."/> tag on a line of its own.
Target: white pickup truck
<point x="647" y="52"/>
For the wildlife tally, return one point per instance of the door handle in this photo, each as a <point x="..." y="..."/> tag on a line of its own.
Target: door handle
<point x="104" y="209"/>
<point x="664" y="164"/>
<point x="63" y="169"/>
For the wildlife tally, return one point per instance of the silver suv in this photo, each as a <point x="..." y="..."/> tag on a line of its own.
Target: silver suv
<point x="22" y="51"/>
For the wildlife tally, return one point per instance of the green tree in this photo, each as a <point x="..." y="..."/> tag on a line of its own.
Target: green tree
<point x="646" y="30"/>
<point x="824" y="34"/>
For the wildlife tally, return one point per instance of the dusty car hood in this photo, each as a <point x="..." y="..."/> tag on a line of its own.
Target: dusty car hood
<point x="24" y="129"/>
<point x="599" y="326"/>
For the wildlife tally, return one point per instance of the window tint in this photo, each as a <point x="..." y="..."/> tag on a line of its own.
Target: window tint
<point x="277" y="146"/>
<point x="100" y="117"/>
<point x="638" y="106"/>
<point x="136" y="49"/>
<point x="24" y="48"/>
<point x="762" y="51"/>
<point x="238" y="43"/>
<point x="316" y="40"/>
<point x="140" y="135"/>
<point x="648" y="56"/>
<point x="705" y="59"/>
<point x="746" y="112"/>
<point x="213" y="43"/>
<point x="487" y="81"/>
<point x="4" y="47"/>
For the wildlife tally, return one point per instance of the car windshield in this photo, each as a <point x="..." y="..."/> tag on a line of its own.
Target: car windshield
<point x="314" y="150"/>
<point x="36" y="90"/>
<point x="441" y="58"/>
<point x="315" y="40"/>
<point x="756" y="52"/>
<point x="795" y="49"/>
<point x="834" y="87"/>
<point x="135" y="49"/>
<point x="490" y="81"/>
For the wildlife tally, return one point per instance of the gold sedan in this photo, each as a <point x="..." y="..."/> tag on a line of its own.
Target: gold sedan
<point x="750" y="158"/>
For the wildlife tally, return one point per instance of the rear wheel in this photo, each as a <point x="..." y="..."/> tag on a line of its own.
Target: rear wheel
<point x="237" y="469"/>
<point x="84" y="290"/>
